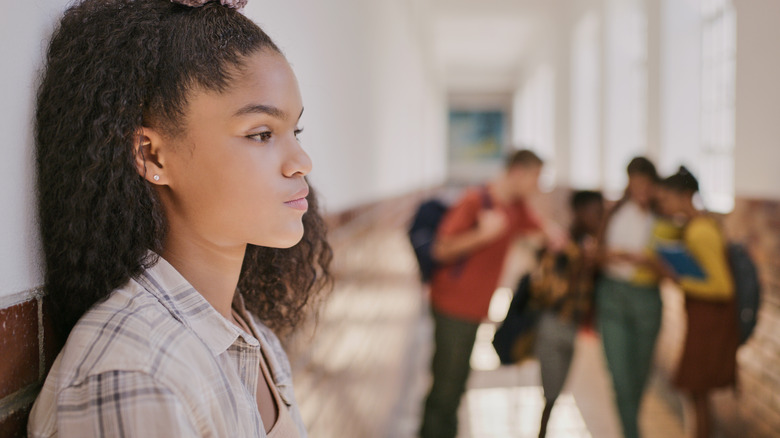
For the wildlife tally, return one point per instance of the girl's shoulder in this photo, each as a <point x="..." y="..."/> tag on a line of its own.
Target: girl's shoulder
<point x="666" y="229"/>
<point x="705" y="221"/>
<point x="629" y="212"/>
<point x="703" y="227"/>
<point x="128" y="331"/>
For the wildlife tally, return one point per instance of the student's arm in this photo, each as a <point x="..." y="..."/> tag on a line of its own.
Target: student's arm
<point x="555" y="236"/>
<point x="707" y="247"/>
<point x="490" y="225"/>
<point x="532" y="224"/>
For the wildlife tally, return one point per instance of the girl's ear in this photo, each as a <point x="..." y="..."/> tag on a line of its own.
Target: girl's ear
<point x="147" y="151"/>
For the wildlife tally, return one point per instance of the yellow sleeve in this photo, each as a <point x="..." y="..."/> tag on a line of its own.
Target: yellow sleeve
<point x="705" y="242"/>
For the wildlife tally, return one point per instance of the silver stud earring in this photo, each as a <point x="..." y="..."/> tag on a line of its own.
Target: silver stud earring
<point x="156" y="177"/>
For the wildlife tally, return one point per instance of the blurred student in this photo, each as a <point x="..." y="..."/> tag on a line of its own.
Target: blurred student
<point x="709" y="355"/>
<point x="628" y="302"/>
<point x="471" y="244"/>
<point x="563" y="285"/>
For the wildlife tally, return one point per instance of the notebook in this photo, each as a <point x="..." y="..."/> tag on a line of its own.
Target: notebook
<point x="676" y="255"/>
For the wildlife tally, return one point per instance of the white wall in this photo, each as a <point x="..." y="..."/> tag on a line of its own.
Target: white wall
<point x="374" y="120"/>
<point x="375" y="116"/>
<point x="24" y="27"/>
<point x="757" y="136"/>
<point x="409" y="107"/>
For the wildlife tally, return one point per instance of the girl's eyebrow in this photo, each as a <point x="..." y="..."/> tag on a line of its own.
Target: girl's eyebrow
<point x="264" y="109"/>
<point x="261" y="109"/>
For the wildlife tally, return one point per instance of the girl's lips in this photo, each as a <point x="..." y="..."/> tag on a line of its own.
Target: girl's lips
<point x="298" y="200"/>
<point x="298" y="204"/>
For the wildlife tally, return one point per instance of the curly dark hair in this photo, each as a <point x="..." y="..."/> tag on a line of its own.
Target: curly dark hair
<point x="682" y="182"/>
<point x="642" y="166"/>
<point x="111" y="67"/>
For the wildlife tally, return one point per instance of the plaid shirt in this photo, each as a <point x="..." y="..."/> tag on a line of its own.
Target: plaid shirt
<point x="155" y="359"/>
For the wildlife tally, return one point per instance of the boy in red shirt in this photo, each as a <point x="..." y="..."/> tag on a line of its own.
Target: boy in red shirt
<point x="471" y="245"/>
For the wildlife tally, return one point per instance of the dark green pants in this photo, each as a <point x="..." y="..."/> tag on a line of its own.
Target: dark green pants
<point x="629" y="318"/>
<point x="454" y="340"/>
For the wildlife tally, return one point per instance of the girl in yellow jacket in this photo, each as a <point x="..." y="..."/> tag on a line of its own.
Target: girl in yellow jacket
<point x="709" y="355"/>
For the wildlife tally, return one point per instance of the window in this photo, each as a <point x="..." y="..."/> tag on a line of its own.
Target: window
<point x="625" y="133"/>
<point x="534" y="120"/>
<point x="718" y="66"/>
<point x="585" y="105"/>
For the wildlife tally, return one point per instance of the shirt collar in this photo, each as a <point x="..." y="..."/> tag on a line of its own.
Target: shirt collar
<point x="189" y="307"/>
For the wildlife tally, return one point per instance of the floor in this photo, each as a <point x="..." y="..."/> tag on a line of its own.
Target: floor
<point x="363" y="370"/>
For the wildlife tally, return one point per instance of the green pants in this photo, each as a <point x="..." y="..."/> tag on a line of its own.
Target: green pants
<point x="629" y="318"/>
<point x="454" y="340"/>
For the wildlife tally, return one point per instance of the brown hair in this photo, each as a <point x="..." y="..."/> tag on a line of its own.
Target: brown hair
<point x="523" y="158"/>
<point x="642" y="166"/>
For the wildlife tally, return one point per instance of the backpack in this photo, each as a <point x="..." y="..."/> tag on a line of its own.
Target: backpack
<point x="515" y="338"/>
<point x="422" y="232"/>
<point x="747" y="288"/>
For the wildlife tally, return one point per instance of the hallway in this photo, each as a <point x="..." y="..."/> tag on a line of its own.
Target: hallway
<point x="364" y="372"/>
<point x="404" y="98"/>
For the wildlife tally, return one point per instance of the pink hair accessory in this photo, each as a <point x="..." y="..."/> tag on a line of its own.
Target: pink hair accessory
<point x="235" y="4"/>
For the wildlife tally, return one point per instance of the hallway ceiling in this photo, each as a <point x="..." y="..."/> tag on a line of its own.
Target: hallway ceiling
<point x="481" y="45"/>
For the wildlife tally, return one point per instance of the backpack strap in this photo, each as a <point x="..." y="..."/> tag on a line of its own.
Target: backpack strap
<point x="487" y="200"/>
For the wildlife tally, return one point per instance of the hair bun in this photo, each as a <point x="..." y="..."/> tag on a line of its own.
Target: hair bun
<point x="235" y="4"/>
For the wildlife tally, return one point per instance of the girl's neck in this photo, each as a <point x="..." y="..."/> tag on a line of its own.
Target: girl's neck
<point x="212" y="271"/>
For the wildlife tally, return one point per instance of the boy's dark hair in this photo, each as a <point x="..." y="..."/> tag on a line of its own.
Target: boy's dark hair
<point x="642" y="166"/>
<point x="583" y="198"/>
<point x="681" y="182"/>
<point x="523" y="158"/>
<point x="114" y="66"/>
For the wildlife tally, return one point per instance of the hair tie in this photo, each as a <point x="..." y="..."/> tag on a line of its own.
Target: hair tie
<point x="235" y="4"/>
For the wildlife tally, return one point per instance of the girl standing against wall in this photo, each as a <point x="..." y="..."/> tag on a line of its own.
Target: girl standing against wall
<point x="177" y="225"/>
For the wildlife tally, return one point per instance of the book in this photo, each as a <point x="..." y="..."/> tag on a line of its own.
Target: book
<point x="676" y="255"/>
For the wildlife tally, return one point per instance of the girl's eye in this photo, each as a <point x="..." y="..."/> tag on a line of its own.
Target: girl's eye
<point x="261" y="136"/>
<point x="298" y="132"/>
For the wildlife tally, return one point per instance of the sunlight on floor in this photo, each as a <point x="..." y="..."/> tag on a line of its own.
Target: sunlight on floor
<point x="499" y="304"/>
<point x="484" y="357"/>
<point x="514" y="412"/>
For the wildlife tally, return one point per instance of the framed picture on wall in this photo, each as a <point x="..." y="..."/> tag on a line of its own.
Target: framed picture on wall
<point x="476" y="136"/>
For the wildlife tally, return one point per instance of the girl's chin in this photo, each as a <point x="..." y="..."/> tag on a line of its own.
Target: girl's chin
<point x="283" y="239"/>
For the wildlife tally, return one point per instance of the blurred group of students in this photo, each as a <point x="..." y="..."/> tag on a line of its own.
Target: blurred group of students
<point x="606" y="266"/>
<point x="627" y="299"/>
